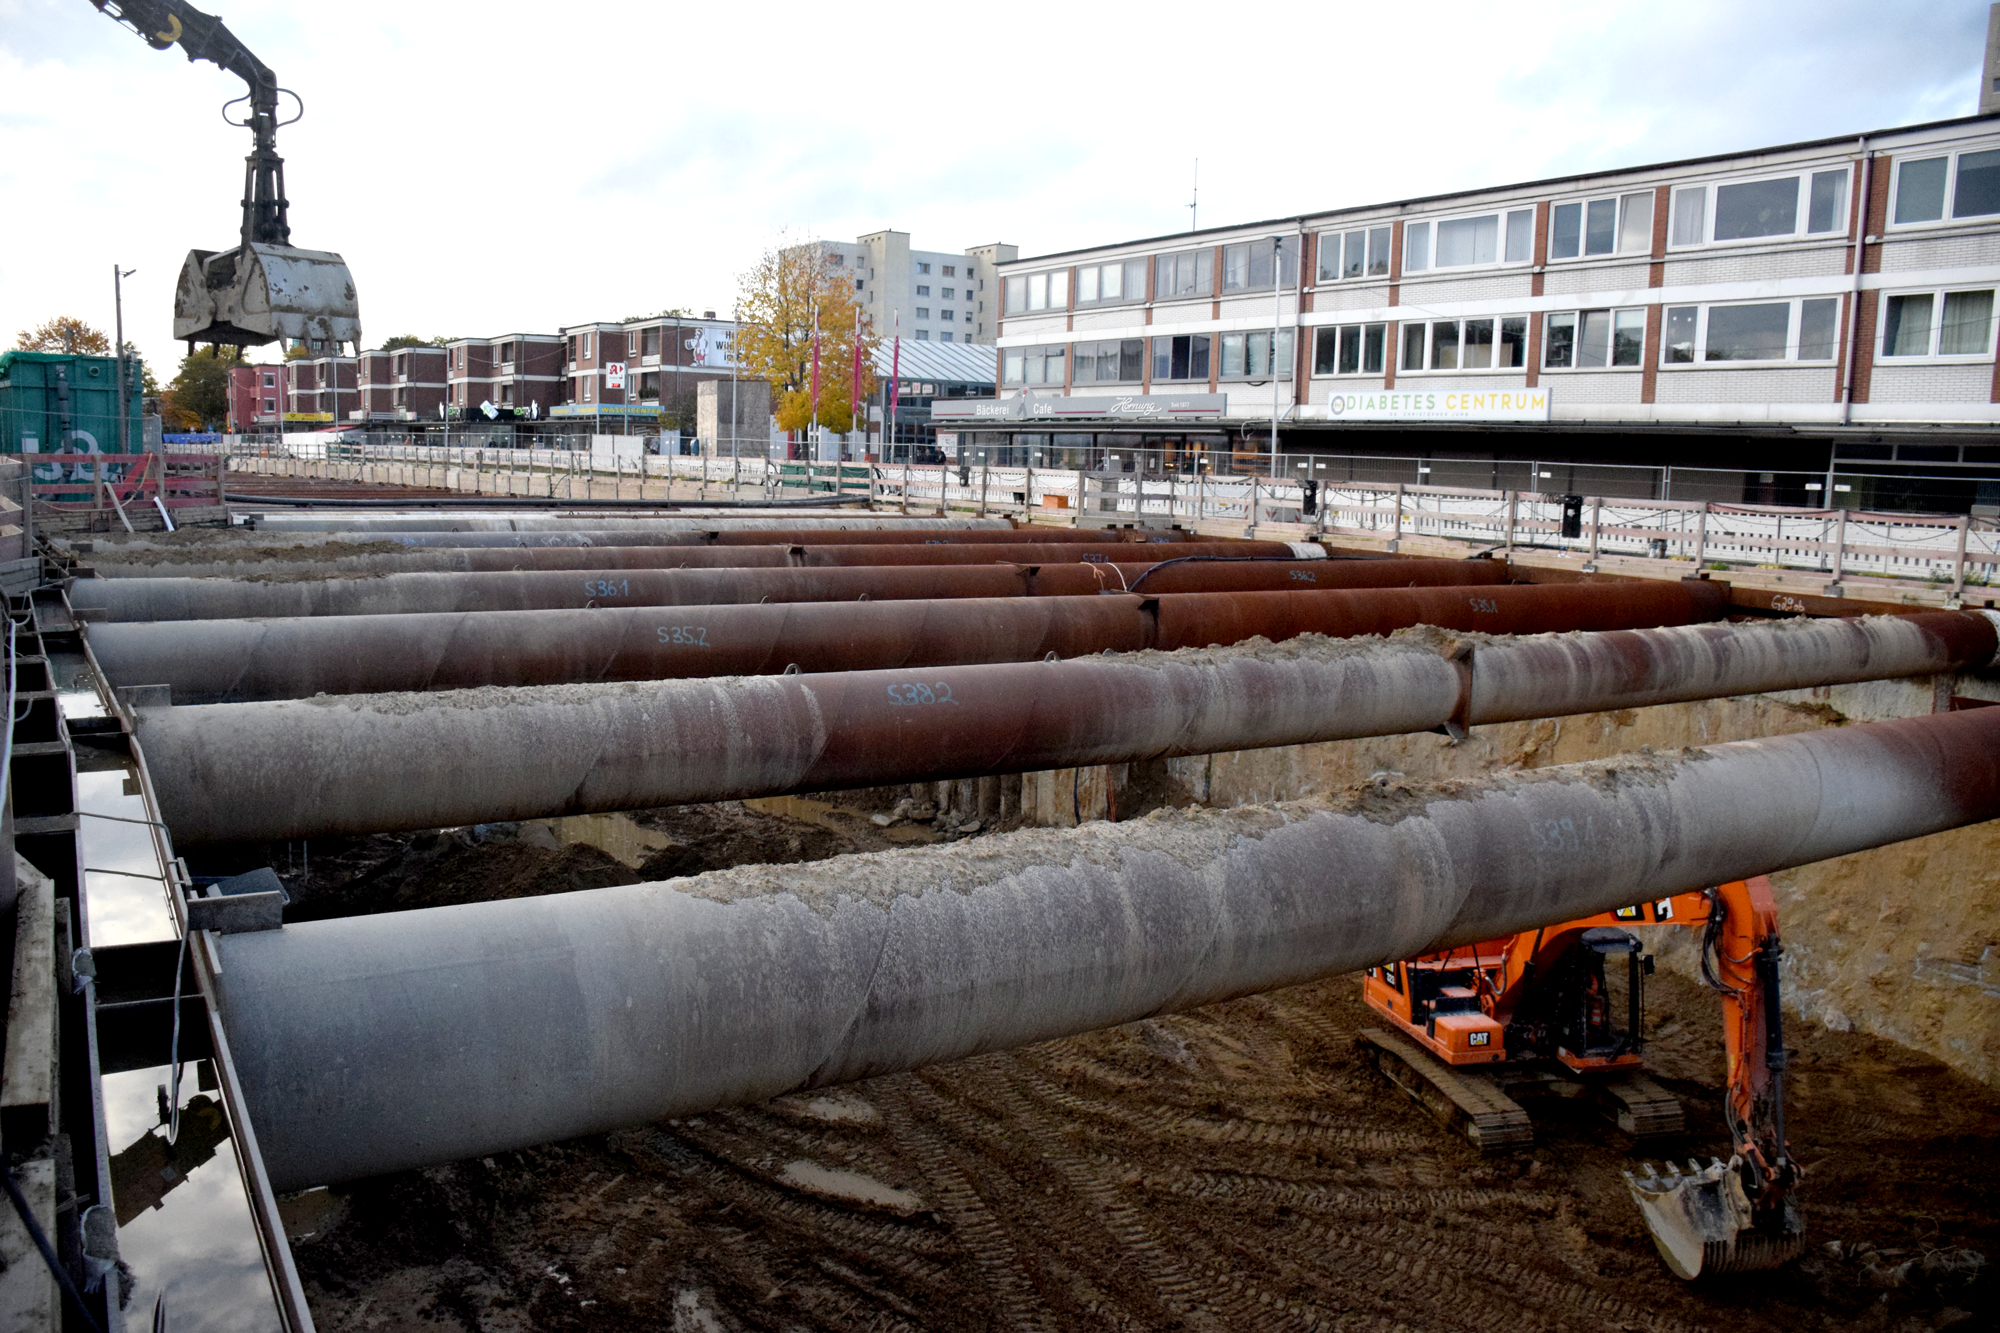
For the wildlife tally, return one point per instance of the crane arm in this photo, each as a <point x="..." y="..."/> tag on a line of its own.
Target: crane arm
<point x="165" y="23"/>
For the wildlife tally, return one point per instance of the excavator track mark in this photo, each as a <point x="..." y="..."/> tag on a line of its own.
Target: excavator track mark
<point x="1468" y="1103"/>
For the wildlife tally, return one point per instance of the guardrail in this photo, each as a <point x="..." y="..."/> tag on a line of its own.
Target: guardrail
<point x="113" y="483"/>
<point x="1951" y="550"/>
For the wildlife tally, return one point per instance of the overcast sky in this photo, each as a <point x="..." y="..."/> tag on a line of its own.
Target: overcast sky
<point x="500" y="167"/>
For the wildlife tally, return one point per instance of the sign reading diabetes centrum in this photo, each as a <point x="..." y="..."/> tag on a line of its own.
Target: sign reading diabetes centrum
<point x="1439" y="405"/>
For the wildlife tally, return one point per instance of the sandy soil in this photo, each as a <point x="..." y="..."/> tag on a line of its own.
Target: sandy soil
<point x="1233" y="1168"/>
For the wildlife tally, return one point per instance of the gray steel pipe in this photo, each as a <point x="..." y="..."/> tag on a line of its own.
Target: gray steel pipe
<point x="678" y="518"/>
<point x="145" y="550"/>
<point x="236" y="661"/>
<point x="405" y="594"/>
<point x="373" y="561"/>
<point x="375" y="762"/>
<point x="386" y="1042"/>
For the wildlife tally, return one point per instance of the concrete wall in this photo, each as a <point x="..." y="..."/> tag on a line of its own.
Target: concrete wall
<point x="716" y="417"/>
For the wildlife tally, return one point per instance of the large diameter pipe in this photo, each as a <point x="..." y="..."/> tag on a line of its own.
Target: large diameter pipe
<point x="382" y="1043"/>
<point x="404" y="594"/>
<point x="234" y="661"/>
<point x="314" y="767"/>
<point x="682" y="518"/>
<point x="374" y="561"/>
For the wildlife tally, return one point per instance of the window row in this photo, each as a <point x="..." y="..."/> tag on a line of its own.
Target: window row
<point x="1799" y="204"/>
<point x="1936" y="324"/>
<point x="1243" y="356"/>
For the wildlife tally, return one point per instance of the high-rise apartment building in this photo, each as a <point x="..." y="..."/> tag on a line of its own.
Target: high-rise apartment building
<point x="929" y="295"/>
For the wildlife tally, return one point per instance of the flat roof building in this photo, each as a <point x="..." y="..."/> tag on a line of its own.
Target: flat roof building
<point x="1780" y="307"/>
<point x="939" y="296"/>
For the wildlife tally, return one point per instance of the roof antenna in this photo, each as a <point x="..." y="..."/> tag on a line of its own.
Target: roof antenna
<point x="1195" y="202"/>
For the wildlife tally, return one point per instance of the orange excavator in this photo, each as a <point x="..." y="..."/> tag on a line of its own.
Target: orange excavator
<point x="1560" y="1011"/>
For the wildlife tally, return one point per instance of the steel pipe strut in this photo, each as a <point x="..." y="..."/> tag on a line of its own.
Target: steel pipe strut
<point x="386" y="1042"/>
<point x="135" y="552"/>
<point x="234" y="661"/>
<point x="403" y="594"/>
<point x="371" y="562"/>
<point x="314" y="767"/>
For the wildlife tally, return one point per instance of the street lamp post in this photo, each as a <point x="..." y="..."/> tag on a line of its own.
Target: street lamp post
<point x="118" y="276"/>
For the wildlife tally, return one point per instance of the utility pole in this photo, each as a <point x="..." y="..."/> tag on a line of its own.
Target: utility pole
<point x="118" y="276"/>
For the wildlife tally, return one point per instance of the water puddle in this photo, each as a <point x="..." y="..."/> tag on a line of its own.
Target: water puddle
<point x="183" y="1224"/>
<point x="125" y="900"/>
<point x="616" y="835"/>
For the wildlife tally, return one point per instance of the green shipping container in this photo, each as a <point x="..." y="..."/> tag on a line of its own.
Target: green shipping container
<point x="53" y="402"/>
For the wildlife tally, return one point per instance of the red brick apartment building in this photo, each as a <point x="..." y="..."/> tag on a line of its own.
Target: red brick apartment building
<point x="256" y="397"/>
<point x="520" y="371"/>
<point x="629" y="368"/>
<point x="320" y="390"/>
<point x="407" y="384"/>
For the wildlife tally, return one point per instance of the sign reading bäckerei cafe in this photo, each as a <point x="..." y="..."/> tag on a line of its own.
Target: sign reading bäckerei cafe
<point x="1438" y="405"/>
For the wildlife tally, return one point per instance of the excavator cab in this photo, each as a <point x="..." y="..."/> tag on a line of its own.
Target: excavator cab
<point x="1560" y="1011"/>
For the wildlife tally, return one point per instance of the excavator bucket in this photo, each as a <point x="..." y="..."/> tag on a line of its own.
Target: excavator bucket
<point x="262" y="293"/>
<point x="1704" y="1223"/>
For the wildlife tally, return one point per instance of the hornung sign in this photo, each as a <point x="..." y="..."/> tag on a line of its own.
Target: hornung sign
<point x="1438" y="405"/>
<point x="1123" y="407"/>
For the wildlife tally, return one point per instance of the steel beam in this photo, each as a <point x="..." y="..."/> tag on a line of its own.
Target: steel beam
<point x="235" y="661"/>
<point x="401" y="1040"/>
<point x="403" y="594"/>
<point x="373" y="762"/>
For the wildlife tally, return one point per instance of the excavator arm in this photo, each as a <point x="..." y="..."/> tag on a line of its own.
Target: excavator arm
<point x="1741" y="1215"/>
<point x="264" y="289"/>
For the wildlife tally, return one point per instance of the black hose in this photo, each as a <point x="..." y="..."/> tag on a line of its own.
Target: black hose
<point x="41" y="1240"/>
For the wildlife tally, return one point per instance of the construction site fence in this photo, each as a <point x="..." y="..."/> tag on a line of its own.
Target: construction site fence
<point x="1948" y="549"/>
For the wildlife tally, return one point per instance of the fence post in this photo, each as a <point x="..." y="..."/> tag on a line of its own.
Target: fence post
<point x="1250" y="530"/>
<point x="1596" y="523"/>
<point x="985" y="480"/>
<point x="1082" y="483"/>
<point x="1839" y="553"/>
<point x="1701" y="536"/>
<point x="1396" y="532"/>
<point x="1509" y="539"/>
<point x="1958" y="560"/>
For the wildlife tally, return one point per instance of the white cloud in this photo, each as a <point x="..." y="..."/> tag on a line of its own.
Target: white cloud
<point x="507" y="166"/>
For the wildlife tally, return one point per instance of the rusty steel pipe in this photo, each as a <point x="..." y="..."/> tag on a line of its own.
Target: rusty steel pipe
<point x="312" y="767"/>
<point x="401" y="594"/>
<point x="234" y="661"/>
<point x="371" y="562"/>
<point x="400" y="1040"/>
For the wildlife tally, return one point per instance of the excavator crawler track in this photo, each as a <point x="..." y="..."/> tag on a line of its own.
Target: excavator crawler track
<point x="1640" y="1107"/>
<point x="1467" y="1102"/>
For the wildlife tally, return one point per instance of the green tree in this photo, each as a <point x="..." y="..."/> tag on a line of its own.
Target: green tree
<point x="402" y="340"/>
<point x="198" y="397"/>
<point x="781" y="297"/>
<point x="64" y="333"/>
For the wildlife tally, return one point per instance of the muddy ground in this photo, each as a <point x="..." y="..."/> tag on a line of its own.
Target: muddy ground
<point x="1237" y="1167"/>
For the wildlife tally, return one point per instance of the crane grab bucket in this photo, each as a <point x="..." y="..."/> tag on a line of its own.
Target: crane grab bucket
<point x="263" y="293"/>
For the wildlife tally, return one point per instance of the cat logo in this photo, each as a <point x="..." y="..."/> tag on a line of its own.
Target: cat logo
<point x="1629" y="914"/>
<point x="1478" y="1038"/>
